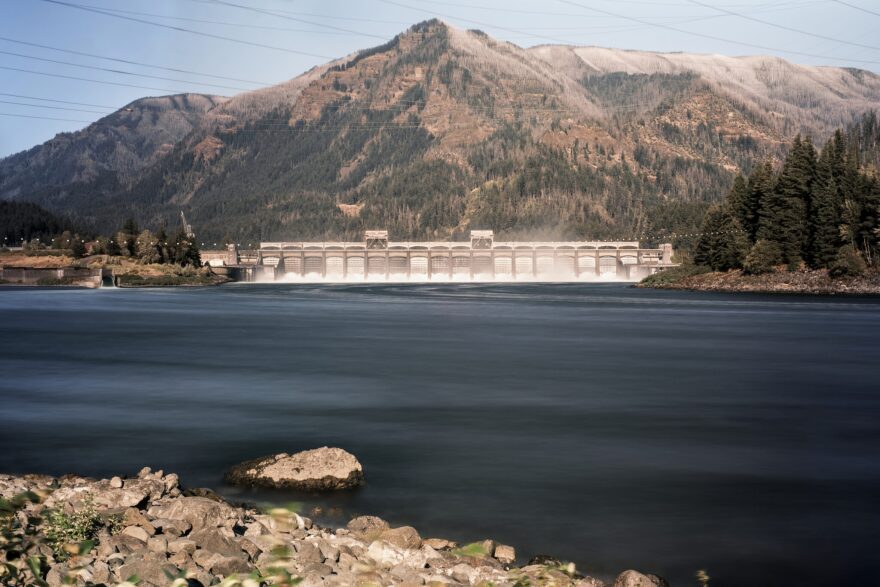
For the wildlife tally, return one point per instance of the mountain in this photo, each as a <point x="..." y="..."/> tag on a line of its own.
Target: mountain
<point x="441" y="130"/>
<point x="106" y="153"/>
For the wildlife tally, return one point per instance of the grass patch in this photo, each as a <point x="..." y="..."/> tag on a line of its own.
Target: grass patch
<point x="56" y="281"/>
<point x="673" y="275"/>
<point x="135" y="280"/>
<point x="473" y="550"/>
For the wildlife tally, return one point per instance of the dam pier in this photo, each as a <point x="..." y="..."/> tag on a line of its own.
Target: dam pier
<point x="483" y="258"/>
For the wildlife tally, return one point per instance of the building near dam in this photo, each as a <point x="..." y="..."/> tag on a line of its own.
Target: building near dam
<point x="483" y="258"/>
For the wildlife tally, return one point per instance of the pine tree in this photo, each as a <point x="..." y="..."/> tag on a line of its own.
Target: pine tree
<point x="741" y="205"/>
<point x="722" y="245"/>
<point x="77" y="247"/>
<point x="127" y="237"/>
<point x="824" y="238"/>
<point x="784" y="215"/>
<point x="760" y="186"/>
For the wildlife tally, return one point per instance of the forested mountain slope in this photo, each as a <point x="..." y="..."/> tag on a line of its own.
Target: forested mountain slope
<point x="107" y="152"/>
<point x="442" y="130"/>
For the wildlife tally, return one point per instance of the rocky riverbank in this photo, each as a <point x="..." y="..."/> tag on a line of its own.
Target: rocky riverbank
<point x="148" y="531"/>
<point x="789" y="282"/>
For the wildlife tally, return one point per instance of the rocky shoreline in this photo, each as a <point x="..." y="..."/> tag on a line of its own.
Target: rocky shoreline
<point x="149" y="531"/>
<point x="811" y="282"/>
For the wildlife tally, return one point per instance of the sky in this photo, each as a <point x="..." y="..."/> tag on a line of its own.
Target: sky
<point x="229" y="46"/>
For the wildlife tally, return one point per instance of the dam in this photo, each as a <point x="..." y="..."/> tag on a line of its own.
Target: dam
<point x="377" y="258"/>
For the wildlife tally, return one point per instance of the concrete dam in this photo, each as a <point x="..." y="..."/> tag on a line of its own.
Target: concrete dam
<point x="483" y="258"/>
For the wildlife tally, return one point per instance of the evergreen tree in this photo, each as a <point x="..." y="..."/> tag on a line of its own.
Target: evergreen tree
<point x="722" y="243"/>
<point x="127" y="237"/>
<point x="760" y="187"/>
<point x="784" y="214"/>
<point x="184" y="250"/>
<point x="162" y="245"/>
<point x="77" y="247"/>
<point x="825" y="208"/>
<point x="763" y="258"/>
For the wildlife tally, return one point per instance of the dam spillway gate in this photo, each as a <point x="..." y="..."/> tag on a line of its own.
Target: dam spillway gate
<point x="483" y="258"/>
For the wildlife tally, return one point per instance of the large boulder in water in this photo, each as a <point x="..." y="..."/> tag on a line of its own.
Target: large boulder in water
<point x="321" y="469"/>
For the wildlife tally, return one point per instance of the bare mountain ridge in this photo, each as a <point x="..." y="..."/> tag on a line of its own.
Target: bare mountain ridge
<point x="442" y="129"/>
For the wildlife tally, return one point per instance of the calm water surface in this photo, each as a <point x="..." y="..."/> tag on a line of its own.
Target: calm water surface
<point x="615" y="427"/>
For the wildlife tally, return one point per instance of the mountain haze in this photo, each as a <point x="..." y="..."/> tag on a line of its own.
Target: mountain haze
<point x="441" y="130"/>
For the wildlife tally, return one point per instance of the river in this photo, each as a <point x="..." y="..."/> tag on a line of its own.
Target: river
<point x="615" y="427"/>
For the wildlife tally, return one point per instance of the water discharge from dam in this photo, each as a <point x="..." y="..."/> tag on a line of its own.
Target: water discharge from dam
<point x="481" y="260"/>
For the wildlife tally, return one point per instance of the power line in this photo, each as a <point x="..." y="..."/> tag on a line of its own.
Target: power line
<point x="96" y="81"/>
<point x="218" y="22"/>
<point x="186" y="30"/>
<point x="712" y="37"/>
<point x="51" y="107"/>
<point x="782" y="27"/>
<point x="280" y="15"/>
<point x="59" y="101"/>
<point x="130" y="62"/>
<point x="856" y="7"/>
<point x="44" y="117"/>
<point x="122" y="72"/>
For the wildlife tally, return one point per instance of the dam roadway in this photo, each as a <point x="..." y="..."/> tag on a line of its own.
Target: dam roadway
<point x="482" y="258"/>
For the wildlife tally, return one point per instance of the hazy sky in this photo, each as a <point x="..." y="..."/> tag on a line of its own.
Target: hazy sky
<point x="298" y="34"/>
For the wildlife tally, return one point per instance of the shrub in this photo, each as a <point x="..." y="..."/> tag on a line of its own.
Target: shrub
<point x="63" y="530"/>
<point x="848" y="263"/>
<point x="763" y="258"/>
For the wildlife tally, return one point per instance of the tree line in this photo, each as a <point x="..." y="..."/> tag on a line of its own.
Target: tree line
<point x="821" y="210"/>
<point x="35" y="229"/>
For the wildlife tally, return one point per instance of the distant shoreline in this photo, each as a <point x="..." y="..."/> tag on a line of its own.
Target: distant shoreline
<point x="802" y="282"/>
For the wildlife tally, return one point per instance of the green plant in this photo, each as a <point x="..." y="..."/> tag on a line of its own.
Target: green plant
<point x="848" y="263"/>
<point x="474" y="550"/>
<point x="19" y="540"/>
<point x="763" y="258"/>
<point x="72" y="534"/>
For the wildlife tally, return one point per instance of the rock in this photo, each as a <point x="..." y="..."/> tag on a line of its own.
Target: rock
<point x="464" y="573"/>
<point x="229" y="565"/>
<point x="149" y="567"/>
<point x="172" y="482"/>
<point x="544" y="559"/>
<point x="116" y="483"/>
<point x="321" y="469"/>
<point x="385" y="554"/>
<point x="198" y="512"/>
<point x="144" y="472"/>
<point x="635" y="579"/>
<point x="158" y="544"/>
<point x="172" y="527"/>
<point x="367" y="528"/>
<point x="133" y="517"/>
<point x="211" y="540"/>
<point x="137" y="533"/>
<point x="100" y="573"/>
<point x="505" y="554"/>
<point x="307" y="552"/>
<point x="404" y="537"/>
<point x="182" y="545"/>
<point x="439" y="543"/>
